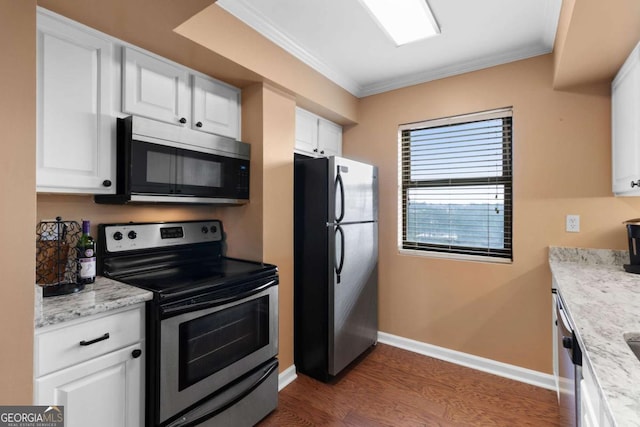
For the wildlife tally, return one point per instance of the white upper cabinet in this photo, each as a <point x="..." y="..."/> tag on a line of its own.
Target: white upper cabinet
<point x="75" y="128"/>
<point x="317" y="137"/>
<point x="155" y="88"/>
<point x="216" y="107"/>
<point x="329" y="138"/>
<point x="162" y="90"/>
<point x="625" y="125"/>
<point x="306" y="132"/>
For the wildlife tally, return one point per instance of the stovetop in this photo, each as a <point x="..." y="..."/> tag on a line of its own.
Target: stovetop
<point x="180" y="278"/>
<point x="172" y="257"/>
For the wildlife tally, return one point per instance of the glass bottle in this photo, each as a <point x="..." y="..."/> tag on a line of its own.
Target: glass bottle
<point x="86" y="249"/>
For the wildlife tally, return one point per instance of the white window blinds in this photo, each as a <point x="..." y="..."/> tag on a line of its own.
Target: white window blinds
<point x="456" y="185"/>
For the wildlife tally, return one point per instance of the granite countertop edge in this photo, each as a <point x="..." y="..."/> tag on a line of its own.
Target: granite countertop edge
<point x="102" y="296"/>
<point x="603" y="302"/>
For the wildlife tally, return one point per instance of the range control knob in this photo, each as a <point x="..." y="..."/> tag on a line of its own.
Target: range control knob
<point x="132" y="234"/>
<point x="214" y="229"/>
<point x="205" y="230"/>
<point x="117" y="235"/>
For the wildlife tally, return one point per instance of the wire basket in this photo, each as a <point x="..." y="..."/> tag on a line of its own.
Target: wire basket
<point x="56" y="258"/>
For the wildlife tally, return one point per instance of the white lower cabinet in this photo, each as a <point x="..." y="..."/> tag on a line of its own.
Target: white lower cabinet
<point x="588" y="406"/>
<point x="94" y="368"/>
<point x="106" y="391"/>
<point x="593" y="409"/>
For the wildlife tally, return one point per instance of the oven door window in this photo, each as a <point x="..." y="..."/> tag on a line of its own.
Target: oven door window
<point x="210" y="343"/>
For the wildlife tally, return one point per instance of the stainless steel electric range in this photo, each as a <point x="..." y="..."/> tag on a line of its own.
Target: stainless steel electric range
<point x="212" y="326"/>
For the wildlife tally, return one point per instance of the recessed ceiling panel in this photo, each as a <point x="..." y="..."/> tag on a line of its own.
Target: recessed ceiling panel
<point x="341" y="40"/>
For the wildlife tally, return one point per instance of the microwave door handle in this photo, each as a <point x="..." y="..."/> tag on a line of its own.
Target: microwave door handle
<point x="178" y="174"/>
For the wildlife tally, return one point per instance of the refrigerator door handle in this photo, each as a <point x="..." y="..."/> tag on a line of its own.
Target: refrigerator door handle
<point x="340" y="262"/>
<point x="340" y="184"/>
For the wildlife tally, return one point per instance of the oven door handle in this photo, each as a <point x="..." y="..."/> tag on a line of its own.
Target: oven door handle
<point x="191" y="305"/>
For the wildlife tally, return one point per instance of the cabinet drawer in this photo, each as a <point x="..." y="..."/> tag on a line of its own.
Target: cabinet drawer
<point x="61" y="347"/>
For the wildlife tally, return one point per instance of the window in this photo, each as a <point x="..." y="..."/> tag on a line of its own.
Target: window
<point x="456" y="186"/>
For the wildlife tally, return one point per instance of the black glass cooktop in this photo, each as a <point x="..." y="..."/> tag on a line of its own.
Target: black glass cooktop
<point x="225" y="271"/>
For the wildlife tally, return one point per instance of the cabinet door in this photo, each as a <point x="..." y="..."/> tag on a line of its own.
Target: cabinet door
<point x="329" y="138"/>
<point x="154" y="88"/>
<point x="588" y="413"/>
<point x="306" y="132"/>
<point x="75" y="128"/>
<point x="216" y="108"/>
<point x="106" y="391"/>
<point x="625" y="124"/>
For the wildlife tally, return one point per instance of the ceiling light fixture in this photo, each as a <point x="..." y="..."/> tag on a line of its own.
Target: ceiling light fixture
<point x="404" y="21"/>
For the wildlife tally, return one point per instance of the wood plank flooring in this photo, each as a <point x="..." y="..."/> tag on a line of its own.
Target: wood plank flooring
<point x="394" y="387"/>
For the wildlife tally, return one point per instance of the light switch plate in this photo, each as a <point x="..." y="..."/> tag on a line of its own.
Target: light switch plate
<point x="573" y="223"/>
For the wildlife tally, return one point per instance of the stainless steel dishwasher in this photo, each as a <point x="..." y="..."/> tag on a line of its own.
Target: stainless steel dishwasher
<point x="569" y="367"/>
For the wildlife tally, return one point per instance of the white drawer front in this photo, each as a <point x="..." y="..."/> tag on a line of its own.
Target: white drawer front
<point x="59" y="348"/>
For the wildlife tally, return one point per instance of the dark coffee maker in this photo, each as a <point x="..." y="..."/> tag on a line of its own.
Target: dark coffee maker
<point x="633" y="233"/>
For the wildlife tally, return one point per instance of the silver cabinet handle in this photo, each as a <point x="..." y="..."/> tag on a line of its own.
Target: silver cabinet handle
<point x="635" y="183"/>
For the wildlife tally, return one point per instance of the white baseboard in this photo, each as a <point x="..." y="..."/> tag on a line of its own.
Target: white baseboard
<point x="506" y="370"/>
<point x="286" y="377"/>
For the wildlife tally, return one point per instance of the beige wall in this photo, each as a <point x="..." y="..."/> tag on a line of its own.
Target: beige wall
<point x="561" y="166"/>
<point x="18" y="205"/>
<point x="263" y="230"/>
<point x="277" y="187"/>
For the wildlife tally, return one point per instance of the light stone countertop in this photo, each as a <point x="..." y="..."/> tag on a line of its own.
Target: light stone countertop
<point x="101" y="296"/>
<point x="603" y="303"/>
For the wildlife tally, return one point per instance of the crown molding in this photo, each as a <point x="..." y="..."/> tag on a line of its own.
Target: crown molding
<point x="441" y="73"/>
<point x="243" y="10"/>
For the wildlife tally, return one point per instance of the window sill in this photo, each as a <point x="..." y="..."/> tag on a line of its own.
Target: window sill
<point x="456" y="257"/>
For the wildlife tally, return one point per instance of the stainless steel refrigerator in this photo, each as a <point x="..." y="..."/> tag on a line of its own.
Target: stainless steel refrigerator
<point x="335" y="265"/>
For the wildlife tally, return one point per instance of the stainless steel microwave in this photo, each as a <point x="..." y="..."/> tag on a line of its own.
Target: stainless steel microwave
<point x="162" y="163"/>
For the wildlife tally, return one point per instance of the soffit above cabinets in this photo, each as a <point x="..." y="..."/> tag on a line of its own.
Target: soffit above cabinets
<point x="340" y="39"/>
<point x="594" y="40"/>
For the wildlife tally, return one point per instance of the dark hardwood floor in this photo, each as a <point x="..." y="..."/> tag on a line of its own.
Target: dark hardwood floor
<point x="394" y="387"/>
